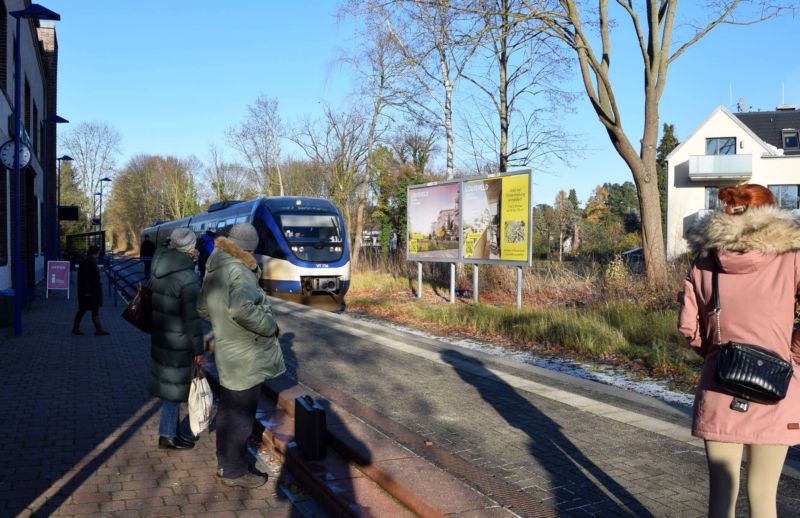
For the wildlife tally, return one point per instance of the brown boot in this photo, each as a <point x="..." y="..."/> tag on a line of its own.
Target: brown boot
<point x="98" y="327"/>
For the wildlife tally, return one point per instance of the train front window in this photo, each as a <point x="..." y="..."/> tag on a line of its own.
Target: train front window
<point x="313" y="237"/>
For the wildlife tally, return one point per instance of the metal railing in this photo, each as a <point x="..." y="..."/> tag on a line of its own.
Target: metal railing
<point x="124" y="276"/>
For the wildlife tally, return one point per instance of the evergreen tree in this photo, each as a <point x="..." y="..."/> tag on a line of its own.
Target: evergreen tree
<point x="668" y="142"/>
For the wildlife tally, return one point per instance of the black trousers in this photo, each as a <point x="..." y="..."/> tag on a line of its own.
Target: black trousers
<point x="235" y="415"/>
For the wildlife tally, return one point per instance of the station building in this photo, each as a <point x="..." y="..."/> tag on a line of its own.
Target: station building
<point x="38" y="182"/>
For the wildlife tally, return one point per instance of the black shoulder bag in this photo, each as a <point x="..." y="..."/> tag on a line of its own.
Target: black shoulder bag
<point x="748" y="372"/>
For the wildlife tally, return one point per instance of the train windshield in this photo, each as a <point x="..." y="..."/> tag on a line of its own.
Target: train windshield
<point x="313" y="237"/>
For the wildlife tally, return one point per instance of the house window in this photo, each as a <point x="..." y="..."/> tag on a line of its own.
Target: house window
<point x="721" y="146"/>
<point x="791" y="139"/>
<point x="786" y="196"/>
<point x="712" y="201"/>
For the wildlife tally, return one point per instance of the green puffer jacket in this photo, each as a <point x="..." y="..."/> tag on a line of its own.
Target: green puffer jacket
<point x="177" y="334"/>
<point x="246" y="348"/>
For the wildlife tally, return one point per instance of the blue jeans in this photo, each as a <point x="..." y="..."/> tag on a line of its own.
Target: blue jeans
<point x="170" y="413"/>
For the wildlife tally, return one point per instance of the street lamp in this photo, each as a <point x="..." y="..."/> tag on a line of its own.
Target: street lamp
<point x="32" y="12"/>
<point x="100" y="212"/>
<point x="58" y="187"/>
<point x="50" y="220"/>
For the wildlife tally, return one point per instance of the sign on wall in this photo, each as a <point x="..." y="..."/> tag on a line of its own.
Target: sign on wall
<point x="492" y="218"/>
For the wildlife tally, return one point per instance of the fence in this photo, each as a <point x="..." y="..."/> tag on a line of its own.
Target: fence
<point x="123" y="277"/>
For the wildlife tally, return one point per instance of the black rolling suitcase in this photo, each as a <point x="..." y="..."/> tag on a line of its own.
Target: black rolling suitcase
<point x="310" y="430"/>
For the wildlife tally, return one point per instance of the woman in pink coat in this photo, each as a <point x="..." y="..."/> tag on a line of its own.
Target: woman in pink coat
<point x="756" y="248"/>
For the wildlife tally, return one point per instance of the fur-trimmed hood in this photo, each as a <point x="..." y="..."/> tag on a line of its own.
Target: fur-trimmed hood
<point x="234" y="251"/>
<point x="765" y="229"/>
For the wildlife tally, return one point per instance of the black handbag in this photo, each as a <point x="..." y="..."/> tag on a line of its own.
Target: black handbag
<point x="749" y="371"/>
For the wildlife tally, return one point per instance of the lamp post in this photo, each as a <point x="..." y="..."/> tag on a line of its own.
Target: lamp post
<point x="58" y="202"/>
<point x="100" y="211"/>
<point x="50" y="220"/>
<point x="32" y="12"/>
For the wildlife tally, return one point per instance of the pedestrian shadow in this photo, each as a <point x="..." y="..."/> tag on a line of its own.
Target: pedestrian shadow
<point x="576" y="482"/>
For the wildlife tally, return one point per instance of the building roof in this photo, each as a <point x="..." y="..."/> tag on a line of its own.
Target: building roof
<point x="769" y="125"/>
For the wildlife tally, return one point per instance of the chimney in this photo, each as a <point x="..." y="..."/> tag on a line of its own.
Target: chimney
<point x="785" y="108"/>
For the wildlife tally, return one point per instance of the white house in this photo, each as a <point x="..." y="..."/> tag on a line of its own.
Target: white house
<point x="725" y="149"/>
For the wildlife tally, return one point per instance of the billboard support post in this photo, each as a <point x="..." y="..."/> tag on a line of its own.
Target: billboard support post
<point x="452" y="282"/>
<point x="475" y="283"/>
<point x="419" y="280"/>
<point x="519" y="287"/>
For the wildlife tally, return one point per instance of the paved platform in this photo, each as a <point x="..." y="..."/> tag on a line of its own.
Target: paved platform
<point x="79" y="430"/>
<point x="536" y="441"/>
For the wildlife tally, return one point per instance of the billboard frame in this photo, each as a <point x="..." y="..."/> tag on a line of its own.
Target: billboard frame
<point x="461" y="189"/>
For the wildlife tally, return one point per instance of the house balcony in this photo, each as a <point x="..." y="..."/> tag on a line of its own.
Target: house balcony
<point x="720" y="167"/>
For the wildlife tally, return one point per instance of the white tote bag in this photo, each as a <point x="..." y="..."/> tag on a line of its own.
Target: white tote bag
<point x="200" y="401"/>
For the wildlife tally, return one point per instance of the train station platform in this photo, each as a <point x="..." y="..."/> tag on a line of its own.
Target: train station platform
<point x="416" y="426"/>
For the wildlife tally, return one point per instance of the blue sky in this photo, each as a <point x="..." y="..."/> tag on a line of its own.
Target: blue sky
<point x="172" y="76"/>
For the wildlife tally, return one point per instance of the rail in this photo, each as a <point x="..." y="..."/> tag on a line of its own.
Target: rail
<point x="124" y="275"/>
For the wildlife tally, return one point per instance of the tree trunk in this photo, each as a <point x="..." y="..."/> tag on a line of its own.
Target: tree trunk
<point x="502" y="65"/>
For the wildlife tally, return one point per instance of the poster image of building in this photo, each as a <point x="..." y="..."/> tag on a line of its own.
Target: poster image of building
<point x="496" y="219"/>
<point x="433" y="222"/>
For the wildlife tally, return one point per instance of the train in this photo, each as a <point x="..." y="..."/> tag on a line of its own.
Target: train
<point x="302" y="248"/>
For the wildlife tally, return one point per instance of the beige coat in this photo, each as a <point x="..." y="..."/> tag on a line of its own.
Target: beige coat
<point x="758" y="253"/>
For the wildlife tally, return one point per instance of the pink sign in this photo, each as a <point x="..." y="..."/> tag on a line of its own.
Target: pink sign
<point x="57" y="275"/>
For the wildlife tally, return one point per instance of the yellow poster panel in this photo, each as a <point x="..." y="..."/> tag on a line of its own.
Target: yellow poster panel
<point x="514" y="218"/>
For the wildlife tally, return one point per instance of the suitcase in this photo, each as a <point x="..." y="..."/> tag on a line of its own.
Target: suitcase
<point x="310" y="430"/>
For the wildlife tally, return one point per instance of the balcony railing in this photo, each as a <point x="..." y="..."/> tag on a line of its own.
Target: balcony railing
<point x="720" y="167"/>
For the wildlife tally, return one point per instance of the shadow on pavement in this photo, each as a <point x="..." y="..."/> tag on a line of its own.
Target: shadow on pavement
<point x="575" y="481"/>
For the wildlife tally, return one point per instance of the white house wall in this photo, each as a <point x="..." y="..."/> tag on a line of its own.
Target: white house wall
<point x="686" y="198"/>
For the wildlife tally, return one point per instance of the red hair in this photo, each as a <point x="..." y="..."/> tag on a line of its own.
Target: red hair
<point x="738" y="199"/>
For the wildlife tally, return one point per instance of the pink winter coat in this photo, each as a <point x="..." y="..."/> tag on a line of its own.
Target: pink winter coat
<point x="758" y="253"/>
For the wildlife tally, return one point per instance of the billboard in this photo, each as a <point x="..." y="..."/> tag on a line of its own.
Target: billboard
<point x="493" y="217"/>
<point x="433" y="222"/>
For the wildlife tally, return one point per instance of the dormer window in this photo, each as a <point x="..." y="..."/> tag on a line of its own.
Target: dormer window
<point x="721" y="146"/>
<point x="791" y="139"/>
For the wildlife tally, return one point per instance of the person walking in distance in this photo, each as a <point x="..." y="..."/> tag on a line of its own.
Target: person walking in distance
<point x="146" y="252"/>
<point x="176" y="338"/>
<point x="755" y="249"/>
<point x="90" y="292"/>
<point x="246" y="348"/>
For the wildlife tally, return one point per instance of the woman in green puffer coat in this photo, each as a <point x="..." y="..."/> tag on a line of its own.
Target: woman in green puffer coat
<point x="246" y="348"/>
<point x="176" y="339"/>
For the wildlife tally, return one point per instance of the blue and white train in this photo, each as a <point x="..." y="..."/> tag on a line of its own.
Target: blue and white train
<point x="302" y="244"/>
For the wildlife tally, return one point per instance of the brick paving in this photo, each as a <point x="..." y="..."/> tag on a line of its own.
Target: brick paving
<point x="80" y="429"/>
<point x="558" y="450"/>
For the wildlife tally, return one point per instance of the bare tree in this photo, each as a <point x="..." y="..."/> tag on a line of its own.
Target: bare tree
<point x="337" y="146"/>
<point x="225" y="180"/>
<point x="94" y="146"/>
<point x="438" y="39"/>
<point x="521" y="75"/>
<point x="653" y="23"/>
<point x="380" y="71"/>
<point x="258" y="140"/>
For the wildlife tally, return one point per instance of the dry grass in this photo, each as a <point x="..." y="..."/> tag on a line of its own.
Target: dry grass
<point x="582" y="311"/>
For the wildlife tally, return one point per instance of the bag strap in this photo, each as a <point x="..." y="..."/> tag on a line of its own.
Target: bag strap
<point x="715" y="295"/>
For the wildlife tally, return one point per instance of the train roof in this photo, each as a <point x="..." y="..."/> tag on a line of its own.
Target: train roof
<point x="293" y="203"/>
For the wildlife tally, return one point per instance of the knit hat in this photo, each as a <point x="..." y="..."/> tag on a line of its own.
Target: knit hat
<point x="244" y="235"/>
<point x="182" y="239"/>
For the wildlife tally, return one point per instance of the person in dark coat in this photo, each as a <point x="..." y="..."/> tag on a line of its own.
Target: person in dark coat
<point x="176" y="338"/>
<point x="90" y="292"/>
<point x="146" y="252"/>
<point x="205" y="245"/>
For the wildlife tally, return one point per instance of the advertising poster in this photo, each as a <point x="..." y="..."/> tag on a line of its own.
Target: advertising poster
<point x="496" y="223"/>
<point x="57" y="276"/>
<point x="433" y="219"/>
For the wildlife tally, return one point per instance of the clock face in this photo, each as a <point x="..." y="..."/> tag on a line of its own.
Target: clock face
<point x="7" y="154"/>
